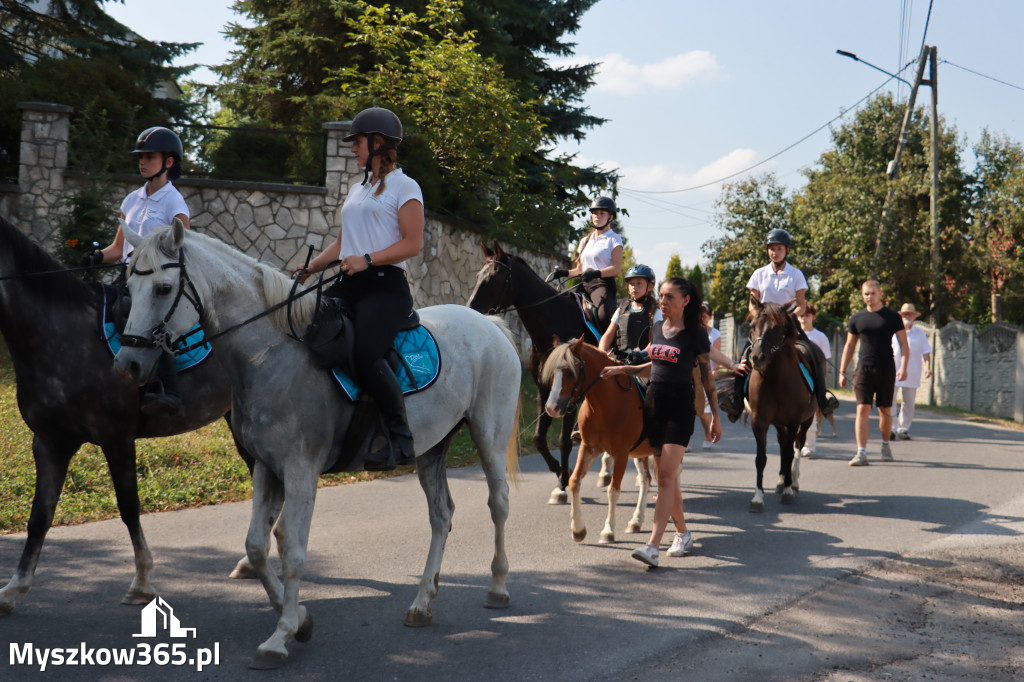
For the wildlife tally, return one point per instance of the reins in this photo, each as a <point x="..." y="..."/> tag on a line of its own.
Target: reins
<point x="576" y="396"/>
<point x="508" y="287"/>
<point x="57" y="272"/>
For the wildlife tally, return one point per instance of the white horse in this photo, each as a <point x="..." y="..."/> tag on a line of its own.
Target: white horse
<point x="292" y="419"/>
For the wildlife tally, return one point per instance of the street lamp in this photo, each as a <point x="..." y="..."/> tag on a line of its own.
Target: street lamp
<point x="858" y="59"/>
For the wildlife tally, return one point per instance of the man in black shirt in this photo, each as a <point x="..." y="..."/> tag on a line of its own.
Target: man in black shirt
<point x="876" y="373"/>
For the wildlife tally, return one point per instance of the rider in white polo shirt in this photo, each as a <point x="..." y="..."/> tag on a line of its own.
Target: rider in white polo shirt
<point x="779" y="282"/>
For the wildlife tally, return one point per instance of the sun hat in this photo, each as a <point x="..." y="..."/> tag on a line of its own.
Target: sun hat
<point x="909" y="309"/>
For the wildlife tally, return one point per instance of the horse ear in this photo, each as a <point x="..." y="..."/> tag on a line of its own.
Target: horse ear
<point x="577" y="344"/>
<point x="130" y="235"/>
<point x="497" y="250"/>
<point x="755" y="302"/>
<point x="487" y="252"/>
<point x="178" y="231"/>
<point x="555" y="341"/>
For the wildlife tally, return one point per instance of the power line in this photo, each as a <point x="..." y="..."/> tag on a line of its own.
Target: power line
<point x="946" y="61"/>
<point x="773" y="156"/>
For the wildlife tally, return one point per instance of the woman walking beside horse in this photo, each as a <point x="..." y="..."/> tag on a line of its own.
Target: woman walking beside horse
<point x="677" y="342"/>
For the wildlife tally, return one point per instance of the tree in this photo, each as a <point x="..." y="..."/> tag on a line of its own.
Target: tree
<point x="745" y="213"/>
<point x="997" y="228"/>
<point x="286" y="74"/>
<point x="674" y="268"/>
<point x="696" y="277"/>
<point x="838" y="213"/>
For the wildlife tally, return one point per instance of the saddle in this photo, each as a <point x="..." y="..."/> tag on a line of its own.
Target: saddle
<point x="589" y="312"/>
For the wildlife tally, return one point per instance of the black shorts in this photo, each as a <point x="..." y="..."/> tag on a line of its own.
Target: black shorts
<point x="875" y="385"/>
<point x="668" y="414"/>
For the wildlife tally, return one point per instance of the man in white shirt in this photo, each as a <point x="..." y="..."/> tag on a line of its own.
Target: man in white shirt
<point x="920" y="358"/>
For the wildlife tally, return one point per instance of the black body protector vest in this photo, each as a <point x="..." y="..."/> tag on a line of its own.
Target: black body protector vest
<point x="635" y="326"/>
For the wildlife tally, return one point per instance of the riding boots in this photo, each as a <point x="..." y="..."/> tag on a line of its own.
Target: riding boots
<point x="732" y="404"/>
<point x="387" y="393"/>
<point x="162" y="396"/>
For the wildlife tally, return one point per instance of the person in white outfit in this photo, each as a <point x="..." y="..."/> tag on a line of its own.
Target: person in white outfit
<point x="707" y="319"/>
<point x="819" y="339"/>
<point x="919" y="364"/>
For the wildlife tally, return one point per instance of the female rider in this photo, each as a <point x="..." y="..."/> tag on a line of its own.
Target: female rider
<point x="598" y="260"/>
<point x="630" y="326"/>
<point x="155" y="204"/>
<point x="676" y="342"/>
<point x="381" y="228"/>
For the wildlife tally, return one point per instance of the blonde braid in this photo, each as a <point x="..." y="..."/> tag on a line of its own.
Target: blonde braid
<point x="388" y="163"/>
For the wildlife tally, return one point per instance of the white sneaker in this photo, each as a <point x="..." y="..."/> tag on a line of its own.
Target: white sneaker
<point x="807" y="453"/>
<point x="681" y="544"/>
<point x="646" y="553"/>
<point x="707" y="445"/>
<point x="903" y="434"/>
<point x="887" y="453"/>
<point x="859" y="460"/>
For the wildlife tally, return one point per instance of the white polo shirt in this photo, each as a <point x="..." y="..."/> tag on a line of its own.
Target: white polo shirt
<point x="596" y="252"/>
<point x="370" y="223"/>
<point x="779" y="287"/>
<point x="143" y="213"/>
<point x="917" y="340"/>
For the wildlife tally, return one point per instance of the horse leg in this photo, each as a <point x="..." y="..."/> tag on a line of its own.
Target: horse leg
<point x="295" y="621"/>
<point x="643" y="484"/>
<point x="430" y="467"/>
<point x="565" y="445"/>
<point x="604" y="477"/>
<point x="51" y="469"/>
<point x="608" y="533"/>
<point x="786" y="438"/>
<point x="243" y="569"/>
<point x="121" y="463"/>
<point x="760" y="460"/>
<point x="540" y="442"/>
<point x="493" y="462"/>
<point x="584" y="458"/>
<point x="267" y="502"/>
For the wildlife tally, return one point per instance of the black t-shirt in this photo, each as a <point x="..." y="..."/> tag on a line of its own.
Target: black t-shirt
<point x="875" y="330"/>
<point x="673" y="358"/>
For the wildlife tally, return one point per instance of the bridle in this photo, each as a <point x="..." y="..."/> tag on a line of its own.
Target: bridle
<point x="159" y="337"/>
<point x="769" y="351"/>
<point x="581" y="387"/>
<point x="507" y="290"/>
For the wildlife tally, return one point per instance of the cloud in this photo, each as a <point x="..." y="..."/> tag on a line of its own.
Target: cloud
<point x="618" y="75"/>
<point x="662" y="177"/>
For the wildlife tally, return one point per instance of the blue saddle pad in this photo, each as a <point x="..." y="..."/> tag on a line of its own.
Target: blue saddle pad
<point x="586" y="320"/>
<point x="419" y="349"/>
<point x="181" y="362"/>
<point x="803" y="370"/>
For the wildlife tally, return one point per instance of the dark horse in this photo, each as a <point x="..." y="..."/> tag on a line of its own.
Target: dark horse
<point x="778" y="396"/>
<point x="506" y="281"/>
<point x="69" y="395"/>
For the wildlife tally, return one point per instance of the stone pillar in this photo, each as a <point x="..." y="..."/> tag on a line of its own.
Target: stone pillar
<point x="341" y="171"/>
<point x="45" y="129"/>
<point x="1018" y="408"/>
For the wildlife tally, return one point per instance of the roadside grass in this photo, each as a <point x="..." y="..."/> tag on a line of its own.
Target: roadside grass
<point x="846" y="396"/>
<point x="189" y="470"/>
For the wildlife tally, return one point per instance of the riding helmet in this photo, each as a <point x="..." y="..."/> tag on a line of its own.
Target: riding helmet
<point x="778" y="236"/>
<point x="640" y="270"/>
<point x="376" y="121"/>
<point x="159" y="139"/>
<point x="604" y="204"/>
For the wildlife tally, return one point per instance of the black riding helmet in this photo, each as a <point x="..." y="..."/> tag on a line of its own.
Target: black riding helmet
<point x="165" y="141"/>
<point x="376" y="121"/>
<point x="778" y="236"/>
<point x="604" y="204"/>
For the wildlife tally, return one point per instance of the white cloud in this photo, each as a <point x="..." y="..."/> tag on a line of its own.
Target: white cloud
<point x="667" y="177"/>
<point x="619" y="75"/>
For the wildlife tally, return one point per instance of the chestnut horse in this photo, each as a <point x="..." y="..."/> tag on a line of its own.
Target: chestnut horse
<point x="777" y="396"/>
<point x="611" y="419"/>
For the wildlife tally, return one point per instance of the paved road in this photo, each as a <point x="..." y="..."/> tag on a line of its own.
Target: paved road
<point x="844" y="584"/>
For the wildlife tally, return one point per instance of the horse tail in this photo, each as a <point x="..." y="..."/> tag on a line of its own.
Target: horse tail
<point x="512" y="454"/>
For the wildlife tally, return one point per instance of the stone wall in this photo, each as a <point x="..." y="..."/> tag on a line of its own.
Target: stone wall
<point x="271" y="222"/>
<point x="978" y="371"/>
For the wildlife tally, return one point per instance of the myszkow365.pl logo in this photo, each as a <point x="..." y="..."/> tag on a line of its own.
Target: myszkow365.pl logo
<point x="157" y="617"/>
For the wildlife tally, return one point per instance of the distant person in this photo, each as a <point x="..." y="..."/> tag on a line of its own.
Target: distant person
<point x="630" y="326"/>
<point x="819" y="339"/>
<point x="875" y="377"/>
<point x="707" y="318"/>
<point x="920" y="359"/>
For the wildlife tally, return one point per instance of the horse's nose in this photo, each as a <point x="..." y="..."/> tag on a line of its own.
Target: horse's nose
<point x="129" y="370"/>
<point x="554" y="410"/>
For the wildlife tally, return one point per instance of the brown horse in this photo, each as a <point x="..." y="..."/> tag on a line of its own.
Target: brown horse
<point x="777" y="396"/>
<point x="611" y="420"/>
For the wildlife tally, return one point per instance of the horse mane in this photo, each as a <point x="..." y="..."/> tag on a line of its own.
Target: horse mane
<point x="530" y="271"/>
<point x="61" y="287"/>
<point x="276" y="285"/>
<point x="561" y="357"/>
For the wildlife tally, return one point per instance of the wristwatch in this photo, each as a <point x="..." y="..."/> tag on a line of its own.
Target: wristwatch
<point x="369" y="261"/>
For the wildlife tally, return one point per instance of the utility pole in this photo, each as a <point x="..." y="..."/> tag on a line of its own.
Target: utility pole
<point x="928" y="54"/>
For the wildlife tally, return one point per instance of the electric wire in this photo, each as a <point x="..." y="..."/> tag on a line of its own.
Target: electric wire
<point x="976" y="73"/>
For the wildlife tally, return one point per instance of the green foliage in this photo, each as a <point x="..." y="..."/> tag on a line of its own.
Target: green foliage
<point x="674" y="268"/>
<point x="696" y="277"/>
<point x="745" y="213"/>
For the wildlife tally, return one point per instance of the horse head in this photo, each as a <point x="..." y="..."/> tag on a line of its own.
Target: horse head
<point x="159" y="284"/>
<point x="771" y="330"/>
<point x="493" y="291"/>
<point x="566" y="373"/>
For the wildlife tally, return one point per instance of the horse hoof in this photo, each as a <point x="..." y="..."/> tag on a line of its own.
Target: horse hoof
<point x="137" y="598"/>
<point x="789" y="498"/>
<point x="779" y="488"/>
<point x="606" y="538"/>
<point x="579" y="535"/>
<point x="558" y="496"/>
<point x="305" y="631"/>
<point x="497" y="601"/>
<point x="243" y="573"/>
<point x="757" y="507"/>
<point x="633" y="528"/>
<point x="268" y="660"/>
<point x="5" y="609"/>
<point x="604" y="481"/>
<point x="418" y="619"/>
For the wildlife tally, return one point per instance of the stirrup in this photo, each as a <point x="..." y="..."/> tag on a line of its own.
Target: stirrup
<point x="732" y="410"/>
<point x="831" y="404"/>
<point x="160" y="402"/>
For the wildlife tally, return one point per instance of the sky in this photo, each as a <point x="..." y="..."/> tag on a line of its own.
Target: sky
<point x="697" y="91"/>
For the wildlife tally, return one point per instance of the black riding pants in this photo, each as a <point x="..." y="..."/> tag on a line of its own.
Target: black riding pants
<point x="601" y="293"/>
<point x="379" y="302"/>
